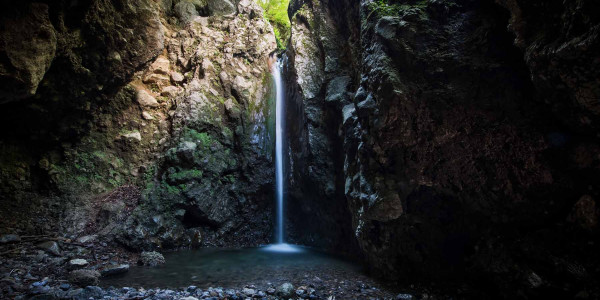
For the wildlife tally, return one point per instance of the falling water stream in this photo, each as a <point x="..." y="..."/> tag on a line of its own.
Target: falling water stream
<point x="279" y="130"/>
<point x="280" y="245"/>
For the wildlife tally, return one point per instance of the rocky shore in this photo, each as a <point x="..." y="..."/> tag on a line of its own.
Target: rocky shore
<point x="59" y="268"/>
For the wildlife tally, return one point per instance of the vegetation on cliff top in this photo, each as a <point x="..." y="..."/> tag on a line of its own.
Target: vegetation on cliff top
<point x="276" y="13"/>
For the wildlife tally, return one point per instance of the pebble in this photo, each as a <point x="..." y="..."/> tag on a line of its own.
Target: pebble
<point x="248" y="292"/>
<point x="404" y="297"/>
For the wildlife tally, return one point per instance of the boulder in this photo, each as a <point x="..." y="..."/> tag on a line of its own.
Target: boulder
<point x="84" y="277"/>
<point x="151" y="258"/>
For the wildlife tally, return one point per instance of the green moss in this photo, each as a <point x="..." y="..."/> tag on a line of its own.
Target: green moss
<point x="385" y="8"/>
<point x="204" y="138"/>
<point x="276" y="14"/>
<point x="154" y="87"/>
<point x="186" y="175"/>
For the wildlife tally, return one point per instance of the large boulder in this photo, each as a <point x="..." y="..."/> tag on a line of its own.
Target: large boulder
<point x="151" y="258"/>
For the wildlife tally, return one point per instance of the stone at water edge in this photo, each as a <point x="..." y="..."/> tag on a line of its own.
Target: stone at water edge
<point x="84" y="277"/>
<point x="286" y="290"/>
<point x="114" y="270"/>
<point x="151" y="258"/>
<point x="248" y="291"/>
<point x="50" y="247"/>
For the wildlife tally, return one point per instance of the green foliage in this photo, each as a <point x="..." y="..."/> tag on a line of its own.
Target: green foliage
<point x="276" y="13"/>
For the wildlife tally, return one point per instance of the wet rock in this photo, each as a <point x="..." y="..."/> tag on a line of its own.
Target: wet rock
<point x="50" y="247"/>
<point x="9" y="238"/>
<point x="84" y="277"/>
<point x="152" y="259"/>
<point x="192" y="288"/>
<point x="286" y="290"/>
<point x="114" y="270"/>
<point x="92" y="292"/>
<point x="189" y="298"/>
<point x="404" y="297"/>
<point x="248" y="291"/>
<point x="146" y="100"/>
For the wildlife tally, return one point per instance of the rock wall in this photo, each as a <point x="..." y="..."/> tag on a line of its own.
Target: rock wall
<point x="318" y="53"/>
<point x="137" y="121"/>
<point x="461" y="154"/>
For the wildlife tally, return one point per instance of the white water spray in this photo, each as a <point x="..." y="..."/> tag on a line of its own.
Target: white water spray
<point x="281" y="246"/>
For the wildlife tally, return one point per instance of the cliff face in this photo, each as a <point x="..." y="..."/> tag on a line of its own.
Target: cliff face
<point x="145" y="122"/>
<point x="459" y="147"/>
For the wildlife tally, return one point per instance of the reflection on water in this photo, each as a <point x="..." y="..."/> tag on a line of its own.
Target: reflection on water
<point x="233" y="268"/>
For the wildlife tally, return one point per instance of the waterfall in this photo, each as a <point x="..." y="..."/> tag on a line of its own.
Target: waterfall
<point x="279" y="134"/>
<point x="280" y="245"/>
